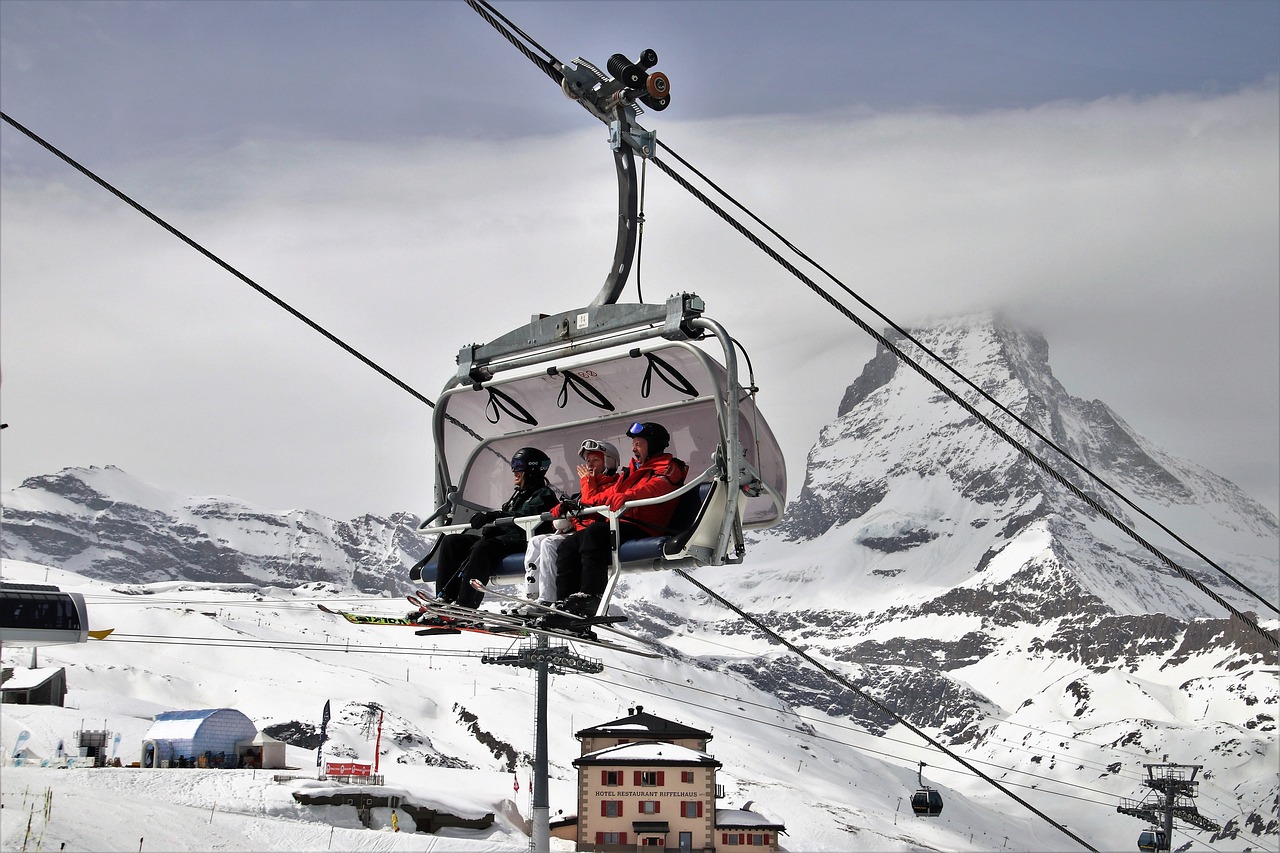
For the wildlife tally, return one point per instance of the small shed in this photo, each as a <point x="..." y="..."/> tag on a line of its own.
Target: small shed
<point x="261" y="751"/>
<point x="44" y="686"/>
<point x="204" y="738"/>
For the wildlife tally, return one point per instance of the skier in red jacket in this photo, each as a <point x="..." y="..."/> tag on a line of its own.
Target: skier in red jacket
<point x="584" y="559"/>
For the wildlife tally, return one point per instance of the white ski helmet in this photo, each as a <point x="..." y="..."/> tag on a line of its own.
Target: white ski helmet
<point x="611" y="458"/>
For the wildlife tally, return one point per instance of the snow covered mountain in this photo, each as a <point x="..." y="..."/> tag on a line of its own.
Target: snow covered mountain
<point x="905" y="471"/>
<point x="925" y="561"/>
<point x="103" y="523"/>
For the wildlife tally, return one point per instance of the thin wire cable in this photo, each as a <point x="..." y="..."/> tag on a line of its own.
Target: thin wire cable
<point x="347" y="348"/>
<point x="1026" y="452"/>
<point x="964" y="379"/>
<point x="1092" y="502"/>
<point x="866" y="749"/>
<point x="839" y="679"/>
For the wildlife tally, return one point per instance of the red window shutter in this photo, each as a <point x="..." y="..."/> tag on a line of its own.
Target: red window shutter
<point x="604" y="777"/>
<point x="724" y="838"/>
<point x="637" y="777"/>
<point x="604" y="808"/>
<point x="661" y="774"/>
<point x="657" y="806"/>
<point x="599" y="838"/>
<point x="699" y="808"/>
<point x="622" y="838"/>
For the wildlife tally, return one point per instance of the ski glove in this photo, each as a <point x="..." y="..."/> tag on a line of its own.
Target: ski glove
<point x="480" y="519"/>
<point x="616" y="501"/>
<point x="491" y="531"/>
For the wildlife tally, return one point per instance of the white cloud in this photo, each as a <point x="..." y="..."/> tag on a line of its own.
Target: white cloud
<point x="1139" y="235"/>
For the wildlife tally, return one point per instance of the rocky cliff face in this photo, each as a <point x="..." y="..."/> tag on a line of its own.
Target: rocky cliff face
<point x="956" y="582"/>
<point x="104" y="524"/>
<point x="909" y="469"/>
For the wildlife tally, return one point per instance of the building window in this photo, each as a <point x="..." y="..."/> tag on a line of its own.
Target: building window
<point x="653" y="841"/>
<point x="611" y="808"/>
<point x="611" y="838"/>
<point x="649" y="778"/>
<point x="686" y="775"/>
<point x="691" y="808"/>
<point x="732" y="837"/>
<point x="611" y="777"/>
<point x="758" y="840"/>
<point x="650" y="807"/>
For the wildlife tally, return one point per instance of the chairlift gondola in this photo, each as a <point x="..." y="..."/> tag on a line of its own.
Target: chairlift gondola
<point x="41" y="615"/>
<point x="593" y="371"/>
<point x="1153" y="840"/>
<point x="925" y="802"/>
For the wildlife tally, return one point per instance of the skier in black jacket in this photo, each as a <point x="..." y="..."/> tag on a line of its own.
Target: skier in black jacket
<point x="462" y="557"/>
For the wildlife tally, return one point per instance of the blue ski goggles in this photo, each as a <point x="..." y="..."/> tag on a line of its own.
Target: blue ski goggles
<point x="636" y="430"/>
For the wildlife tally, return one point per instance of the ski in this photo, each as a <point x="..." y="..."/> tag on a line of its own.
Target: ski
<point x="443" y="626"/>
<point x="603" y="620"/>
<point x="458" y="616"/>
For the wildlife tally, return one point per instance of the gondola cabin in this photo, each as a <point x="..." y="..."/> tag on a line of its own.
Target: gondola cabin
<point x="1153" y="840"/>
<point x="926" y="802"/>
<point x="41" y="615"/>
<point x="592" y="373"/>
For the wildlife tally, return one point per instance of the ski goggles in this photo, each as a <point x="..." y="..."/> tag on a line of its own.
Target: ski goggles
<point x="518" y="466"/>
<point x="591" y="445"/>
<point x="636" y="430"/>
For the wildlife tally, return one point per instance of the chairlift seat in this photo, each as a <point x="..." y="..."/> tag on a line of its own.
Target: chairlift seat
<point x="635" y="553"/>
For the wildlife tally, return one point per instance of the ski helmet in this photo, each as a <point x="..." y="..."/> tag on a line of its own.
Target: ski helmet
<point x="655" y="434"/>
<point x="531" y="460"/>
<point x="610" y="451"/>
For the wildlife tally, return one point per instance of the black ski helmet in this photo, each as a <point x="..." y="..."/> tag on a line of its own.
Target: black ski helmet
<point x="531" y="460"/>
<point x="655" y="434"/>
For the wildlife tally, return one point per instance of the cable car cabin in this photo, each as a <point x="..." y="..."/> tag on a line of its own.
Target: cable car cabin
<point x="926" y="802"/>
<point x="41" y="615"/>
<point x="1153" y="840"/>
<point x="592" y="373"/>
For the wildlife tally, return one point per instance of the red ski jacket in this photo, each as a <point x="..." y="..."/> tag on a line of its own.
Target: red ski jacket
<point x="659" y="475"/>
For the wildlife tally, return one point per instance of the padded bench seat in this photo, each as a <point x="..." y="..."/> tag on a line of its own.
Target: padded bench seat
<point x="644" y="549"/>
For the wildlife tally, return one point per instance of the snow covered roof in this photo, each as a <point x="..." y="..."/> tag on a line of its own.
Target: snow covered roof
<point x="26" y="679"/>
<point x="647" y="725"/>
<point x="743" y="819"/>
<point x="649" y="752"/>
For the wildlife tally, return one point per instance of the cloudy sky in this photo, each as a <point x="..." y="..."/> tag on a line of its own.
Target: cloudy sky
<point x="1103" y="172"/>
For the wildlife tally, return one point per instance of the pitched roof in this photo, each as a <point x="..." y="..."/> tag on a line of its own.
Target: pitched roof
<point x="646" y="753"/>
<point x="745" y="819"/>
<point x="644" y="725"/>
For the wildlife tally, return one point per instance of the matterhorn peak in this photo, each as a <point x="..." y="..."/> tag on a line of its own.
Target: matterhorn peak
<point x="903" y="465"/>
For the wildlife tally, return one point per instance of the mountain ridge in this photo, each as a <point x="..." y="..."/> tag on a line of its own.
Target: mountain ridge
<point x="90" y="520"/>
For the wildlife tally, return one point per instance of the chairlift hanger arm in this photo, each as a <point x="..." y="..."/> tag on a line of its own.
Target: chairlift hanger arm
<point x="613" y="101"/>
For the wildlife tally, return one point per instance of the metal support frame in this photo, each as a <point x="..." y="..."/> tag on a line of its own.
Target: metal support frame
<point x="1175" y="790"/>
<point x="544" y="659"/>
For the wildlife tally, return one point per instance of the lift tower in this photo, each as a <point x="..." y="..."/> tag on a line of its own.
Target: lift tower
<point x="1174" y="787"/>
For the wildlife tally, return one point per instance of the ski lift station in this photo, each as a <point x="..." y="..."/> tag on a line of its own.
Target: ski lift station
<point x="213" y="737"/>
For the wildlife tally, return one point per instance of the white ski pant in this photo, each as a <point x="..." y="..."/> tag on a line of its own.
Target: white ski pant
<point x="540" y="565"/>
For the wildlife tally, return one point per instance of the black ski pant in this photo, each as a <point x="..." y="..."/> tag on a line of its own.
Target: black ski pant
<point x="583" y="561"/>
<point x="462" y="558"/>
